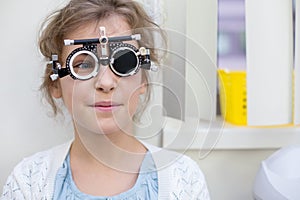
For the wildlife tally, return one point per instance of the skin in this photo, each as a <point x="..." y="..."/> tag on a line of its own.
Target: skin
<point x="104" y="145"/>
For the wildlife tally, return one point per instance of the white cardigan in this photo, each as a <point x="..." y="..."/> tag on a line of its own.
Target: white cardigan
<point x="179" y="177"/>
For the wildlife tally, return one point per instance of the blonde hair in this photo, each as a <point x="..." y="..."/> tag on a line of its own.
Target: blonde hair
<point x="79" y="12"/>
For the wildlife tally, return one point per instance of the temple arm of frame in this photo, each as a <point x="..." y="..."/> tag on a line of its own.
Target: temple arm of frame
<point x="58" y="71"/>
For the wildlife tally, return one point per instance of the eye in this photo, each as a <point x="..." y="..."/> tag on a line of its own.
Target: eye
<point x="84" y="65"/>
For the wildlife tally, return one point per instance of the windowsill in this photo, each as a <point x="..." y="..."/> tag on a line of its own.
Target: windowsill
<point x="219" y="135"/>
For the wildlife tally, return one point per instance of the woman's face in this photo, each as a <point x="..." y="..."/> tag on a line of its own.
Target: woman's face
<point x="106" y="103"/>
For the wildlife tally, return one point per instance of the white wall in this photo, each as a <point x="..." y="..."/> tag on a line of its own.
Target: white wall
<point x="230" y="174"/>
<point x="190" y="71"/>
<point x="201" y="56"/>
<point x="25" y="127"/>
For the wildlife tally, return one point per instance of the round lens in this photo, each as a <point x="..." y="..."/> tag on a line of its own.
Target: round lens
<point x="84" y="65"/>
<point x="124" y="61"/>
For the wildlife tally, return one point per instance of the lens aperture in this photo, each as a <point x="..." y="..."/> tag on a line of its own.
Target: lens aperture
<point x="84" y="65"/>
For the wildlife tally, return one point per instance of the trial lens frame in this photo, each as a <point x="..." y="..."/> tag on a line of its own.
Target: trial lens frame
<point x="107" y="45"/>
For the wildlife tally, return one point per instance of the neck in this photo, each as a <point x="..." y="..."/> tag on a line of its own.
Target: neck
<point x="119" y="151"/>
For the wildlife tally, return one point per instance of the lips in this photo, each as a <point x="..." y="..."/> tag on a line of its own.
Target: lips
<point x="106" y="106"/>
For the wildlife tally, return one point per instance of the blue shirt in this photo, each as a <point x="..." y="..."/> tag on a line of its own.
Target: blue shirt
<point x="145" y="188"/>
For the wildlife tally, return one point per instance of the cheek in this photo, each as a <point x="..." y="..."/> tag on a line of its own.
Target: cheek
<point x="70" y="93"/>
<point x="134" y="96"/>
<point x="133" y="102"/>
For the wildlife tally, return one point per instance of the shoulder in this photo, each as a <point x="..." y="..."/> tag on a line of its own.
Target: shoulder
<point x="34" y="173"/>
<point x="188" y="171"/>
<point x="166" y="159"/>
<point x="188" y="181"/>
<point x="191" y="181"/>
<point x="43" y="159"/>
<point x="180" y="177"/>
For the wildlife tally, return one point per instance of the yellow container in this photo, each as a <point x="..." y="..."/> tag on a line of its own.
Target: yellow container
<point x="233" y="96"/>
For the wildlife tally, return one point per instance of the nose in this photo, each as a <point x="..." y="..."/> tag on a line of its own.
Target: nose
<point x="106" y="80"/>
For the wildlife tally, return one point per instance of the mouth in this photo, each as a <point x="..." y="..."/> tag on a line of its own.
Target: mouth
<point x="106" y="106"/>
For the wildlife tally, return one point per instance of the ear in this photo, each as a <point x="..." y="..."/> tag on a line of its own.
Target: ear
<point x="56" y="90"/>
<point x="143" y="88"/>
<point x="144" y="83"/>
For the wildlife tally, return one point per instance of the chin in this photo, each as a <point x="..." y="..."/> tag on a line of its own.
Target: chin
<point x="112" y="127"/>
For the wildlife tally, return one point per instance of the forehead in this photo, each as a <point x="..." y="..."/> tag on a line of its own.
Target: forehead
<point x="115" y="25"/>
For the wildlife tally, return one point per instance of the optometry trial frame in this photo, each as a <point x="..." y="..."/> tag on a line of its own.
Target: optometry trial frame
<point x="84" y="62"/>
